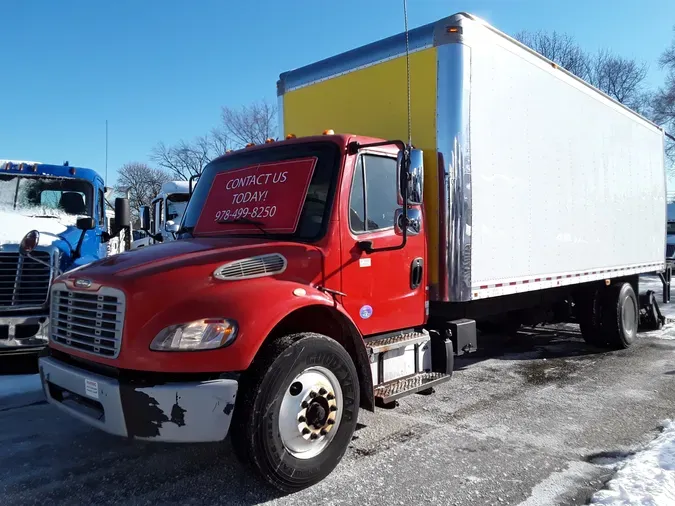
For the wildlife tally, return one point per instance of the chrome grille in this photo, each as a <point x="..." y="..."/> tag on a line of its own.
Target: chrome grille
<point x="87" y="321"/>
<point x="254" y="267"/>
<point x="24" y="282"/>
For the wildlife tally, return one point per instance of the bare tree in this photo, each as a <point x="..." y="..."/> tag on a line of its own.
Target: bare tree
<point x="254" y="123"/>
<point x="187" y="159"/>
<point x="621" y="78"/>
<point x="663" y="104"/>
<point x="559" y="48"/>
<point x="142" y="182"/>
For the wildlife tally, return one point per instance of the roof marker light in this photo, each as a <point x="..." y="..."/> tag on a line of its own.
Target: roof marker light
<point x="71" y="171"/>
<point x="269" y="140"/>
<point x="250" y="144"/>
<point x="34" y="167"/>
<point x="290" y="136"/>
<point x="328" y="132"/>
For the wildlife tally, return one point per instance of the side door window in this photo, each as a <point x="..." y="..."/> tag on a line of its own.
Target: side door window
<point x="373" y="199"/>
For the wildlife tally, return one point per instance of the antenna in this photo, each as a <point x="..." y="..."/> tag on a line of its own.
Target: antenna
<point x="407" y="69"/>
<point x="106" y="153"/>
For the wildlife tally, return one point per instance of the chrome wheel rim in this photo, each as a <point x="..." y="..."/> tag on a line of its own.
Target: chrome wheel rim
<point x="310" y="412"/>
<point x="629" y="317"/>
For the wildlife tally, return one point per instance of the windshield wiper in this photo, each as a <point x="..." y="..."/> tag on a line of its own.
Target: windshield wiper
<point x="258" y="224"/>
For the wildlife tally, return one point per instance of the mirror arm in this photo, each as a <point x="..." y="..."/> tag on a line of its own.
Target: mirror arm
<point x="78" y="249"/>
<point x="38" y="260"/>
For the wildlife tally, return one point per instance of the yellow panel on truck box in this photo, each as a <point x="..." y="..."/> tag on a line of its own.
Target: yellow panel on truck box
<point x="372" y="101"/>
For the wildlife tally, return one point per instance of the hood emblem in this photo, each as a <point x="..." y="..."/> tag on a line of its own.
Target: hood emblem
<point x="83" y="283"/>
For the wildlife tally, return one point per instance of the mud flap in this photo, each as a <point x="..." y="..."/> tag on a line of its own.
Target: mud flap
<point x="650" y="314"/>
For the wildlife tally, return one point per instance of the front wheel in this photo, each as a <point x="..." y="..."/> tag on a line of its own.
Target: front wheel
<point x="296" y="410"/>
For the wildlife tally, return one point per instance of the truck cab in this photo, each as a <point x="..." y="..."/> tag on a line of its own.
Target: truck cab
<point x="165" y="213"/>
<point x="62" y="208"/>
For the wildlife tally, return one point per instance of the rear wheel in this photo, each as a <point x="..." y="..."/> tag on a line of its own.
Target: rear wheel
<point x="620" y="316"/>
<point x="296" y="410"/>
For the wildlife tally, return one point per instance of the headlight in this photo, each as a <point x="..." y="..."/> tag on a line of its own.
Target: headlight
<point x="205" y="334"/>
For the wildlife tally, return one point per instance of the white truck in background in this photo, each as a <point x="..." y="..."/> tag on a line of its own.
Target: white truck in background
<point x="166" y="208"/>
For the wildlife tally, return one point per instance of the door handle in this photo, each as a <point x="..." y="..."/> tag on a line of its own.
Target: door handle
<point x="416" y="273"/>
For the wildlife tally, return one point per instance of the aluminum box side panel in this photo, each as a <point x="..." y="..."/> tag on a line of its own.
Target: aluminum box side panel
<point x="454" y="175"/>
<point x="564" y="181"/>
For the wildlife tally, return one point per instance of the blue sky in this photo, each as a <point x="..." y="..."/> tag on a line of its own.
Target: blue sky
<point x="161" y="70"/>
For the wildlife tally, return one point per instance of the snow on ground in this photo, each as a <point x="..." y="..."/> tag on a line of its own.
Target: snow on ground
<point x="653" y="283"/>
<point x="645" y="479"/>
<point x="19" y="384"/>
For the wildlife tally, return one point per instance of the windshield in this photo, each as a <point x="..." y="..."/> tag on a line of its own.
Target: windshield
<point x="284" y="192"/>
<point x="175" y="205"/>
<point x="45" y="196"/>
<point x="671" y="228"/>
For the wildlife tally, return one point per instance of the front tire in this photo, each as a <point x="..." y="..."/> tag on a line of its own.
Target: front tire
<point x="296" y="410"/>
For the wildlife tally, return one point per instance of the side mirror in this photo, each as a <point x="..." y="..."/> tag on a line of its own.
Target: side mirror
<point x="171" y="227"/>
<point x="122" y="215"/>
<point x="29" y="242"/>
<point x="85" y="224"/>
<point x="416" y="177"/>
<point x="411" y="176"/>
<point x="144" y="214"/>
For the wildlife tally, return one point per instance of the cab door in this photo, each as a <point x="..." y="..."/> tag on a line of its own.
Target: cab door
<point x="385" y="290"/>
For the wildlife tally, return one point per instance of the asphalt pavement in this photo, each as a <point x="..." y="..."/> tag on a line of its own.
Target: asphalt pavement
<point x="531" y="421"/>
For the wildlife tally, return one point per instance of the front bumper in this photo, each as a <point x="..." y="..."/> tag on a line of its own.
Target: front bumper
<point x="188" y="412"/>
<point x="23" y="333"/>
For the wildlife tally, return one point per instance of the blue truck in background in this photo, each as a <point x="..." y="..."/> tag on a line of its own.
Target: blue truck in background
<point x="53" y="218"/>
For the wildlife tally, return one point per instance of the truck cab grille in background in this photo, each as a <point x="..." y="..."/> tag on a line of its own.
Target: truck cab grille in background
<point x="24" y="282"/>
<point x="87" y="321"/>
<point x="253" y="267"/>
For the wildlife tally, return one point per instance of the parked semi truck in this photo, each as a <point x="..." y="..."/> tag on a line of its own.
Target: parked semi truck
<point x="162" y="218"/>
<point x="320" y="274"/>
<point x="62" y="209"/>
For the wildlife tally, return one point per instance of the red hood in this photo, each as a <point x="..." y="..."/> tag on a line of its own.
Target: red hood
<point x="173" y="255"/>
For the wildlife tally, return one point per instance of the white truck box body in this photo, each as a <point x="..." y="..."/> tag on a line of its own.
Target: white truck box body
<point x="564" y="181"/>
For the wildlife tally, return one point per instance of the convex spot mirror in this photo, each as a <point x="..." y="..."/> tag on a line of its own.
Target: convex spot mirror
<point x="411" y="175"/>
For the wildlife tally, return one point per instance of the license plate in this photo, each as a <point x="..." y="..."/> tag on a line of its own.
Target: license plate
<point x="91" y="388"/>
